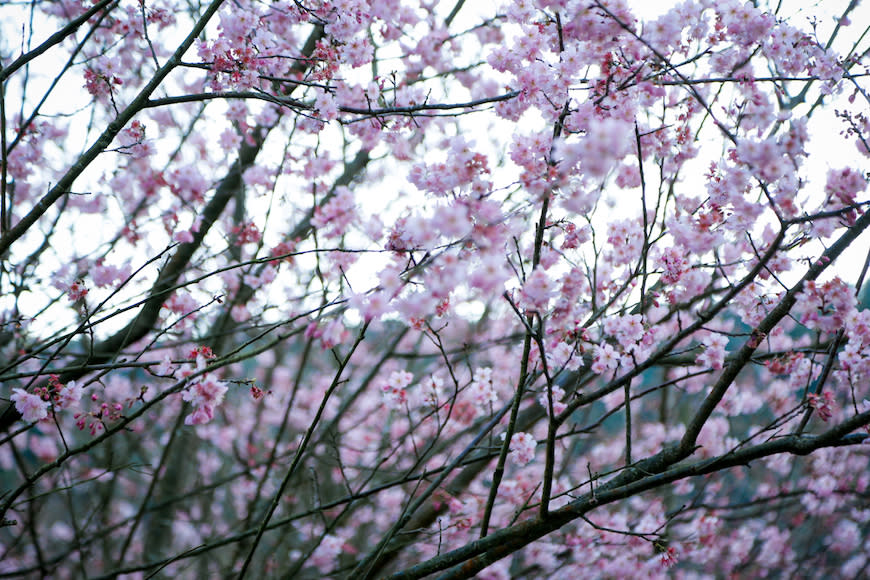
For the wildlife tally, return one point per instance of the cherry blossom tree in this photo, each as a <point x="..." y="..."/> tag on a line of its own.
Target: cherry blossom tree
<point x="358" y="289"/>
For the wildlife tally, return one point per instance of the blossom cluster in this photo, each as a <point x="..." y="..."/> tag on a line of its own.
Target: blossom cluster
<point x="403" y="229"/>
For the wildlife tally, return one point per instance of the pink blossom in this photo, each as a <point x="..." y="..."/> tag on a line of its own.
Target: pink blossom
<point x="188" y="183"/>
<point x="452" y="220"/>
<point x="358" y="51"/>
<point x="200" y="416"/>
<point x="628" y="329"/>
<point x="394" y="389"/>
<point x="482" y="390"/>
<point x="522" y="448"/>
<point x="558" y="405"/>
<point x="206" y="391"/>
<point x="765" y="157"/>
<point x="674" y="265"/>
<point x="564" y="355"/>
<point x="325" y="106"/>
<point x="240" y="313"/>
<point x="259" y="175"/>
<point x="713" y="354"/>
<point x="823" y="405"/>
<point x="106" y="275"/>
<point x="32" y="407"/>
<point x="842" y="187"/>
<point x="77" y="291"/>
<point x="183" y="237"/>
<point x="327" y="552"/>
<point x="132" y="140"/>
<point x="205" y="395"/>
<point x="165" y="368"/>
<point x="606" y="142"/>
<point x="372" y="306"/>
<point x="669" y="557"/>
<point x="432" y="392"/>
<point x="605" y="359"/>
<point x="181" y="303"/>
<point x="336" y="215"/>
<point x="625" y="241"/>
<point x="490" y="274"/>
<point x="537" y="291"/>
<point x="333" y="334"/>
<point x="69" y="395"/>
<point x="492" y="167"/>
<point x="102" y="77"/>
<point x="229" y="139"/>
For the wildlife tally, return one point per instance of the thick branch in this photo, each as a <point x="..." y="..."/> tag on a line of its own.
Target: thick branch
<point x="481" y="553"/>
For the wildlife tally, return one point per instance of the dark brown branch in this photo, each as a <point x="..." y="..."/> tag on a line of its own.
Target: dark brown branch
<point x="481" y="553"/>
